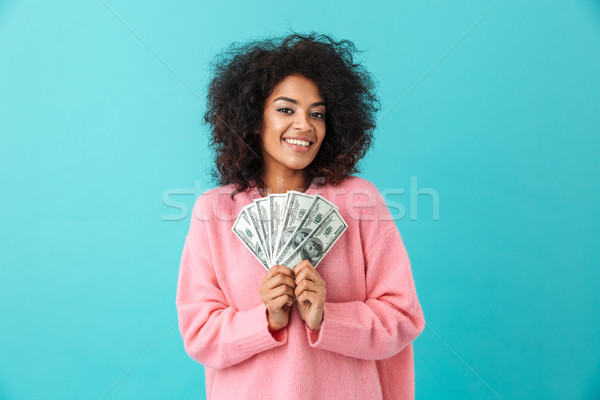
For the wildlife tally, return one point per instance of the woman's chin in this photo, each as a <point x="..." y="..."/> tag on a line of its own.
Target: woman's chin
<point x="298" y="165"/>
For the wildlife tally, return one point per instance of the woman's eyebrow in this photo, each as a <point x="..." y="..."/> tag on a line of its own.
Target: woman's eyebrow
<point x="318" y="103"/>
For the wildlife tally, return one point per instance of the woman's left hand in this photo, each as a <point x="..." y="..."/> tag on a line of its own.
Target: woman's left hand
<point x="310" y="294"/>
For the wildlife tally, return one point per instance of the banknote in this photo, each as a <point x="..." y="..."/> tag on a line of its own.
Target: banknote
<point x="244" y="229"/>
<point x="276" y="212"/>
<point x="253" y="214"/>
<point x="318" y="210"/>
<point x="285" y="228"/>
<point x="296" y="206"/>
<point x="262" y="208"/>
<point x="318" y="243"/>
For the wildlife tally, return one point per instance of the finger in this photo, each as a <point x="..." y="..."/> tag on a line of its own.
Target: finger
<point x="307" y="285"/>
<point x="300" y="276"/>
<point x="280" y="291"/>
<point x="280" y="279"/>
<point x="301" y="266"/>
<point x="282" y="269"/>
<point x="298" y="269"/>
<point x="318" y="287"/>
<point x="280" y="301"/>
<point x="274" y="270"/>
<point x="308" y="265"/>
<point x="309" y="295"/>
<point x="308" y="274"/>
<point x="302" y="286"/>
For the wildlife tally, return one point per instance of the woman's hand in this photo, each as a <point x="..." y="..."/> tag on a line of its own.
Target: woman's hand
<point x="310" y="294"/>
<point x="277" y="292"/>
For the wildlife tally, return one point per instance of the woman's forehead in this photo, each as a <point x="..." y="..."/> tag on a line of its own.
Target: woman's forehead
<point x="296" y="88"/>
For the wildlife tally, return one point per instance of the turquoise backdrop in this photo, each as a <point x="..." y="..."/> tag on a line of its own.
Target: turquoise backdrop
<point x="491" y="109"/>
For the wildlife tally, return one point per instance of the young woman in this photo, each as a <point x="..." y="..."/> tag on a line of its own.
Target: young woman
<point x="296" y="113"/>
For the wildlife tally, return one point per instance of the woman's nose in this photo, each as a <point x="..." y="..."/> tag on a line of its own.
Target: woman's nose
<point x="302" y="122"/>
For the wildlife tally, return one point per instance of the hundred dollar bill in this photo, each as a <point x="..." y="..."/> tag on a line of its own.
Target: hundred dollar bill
<point x="276" y="211"/>
<point x="253" y="214"/>
<point x="316" y="245"/>
<point x="244" y="229"/>
<point x="318" y="210"/>
<point x="262" y="208"/>
<point x="296" y="206"/>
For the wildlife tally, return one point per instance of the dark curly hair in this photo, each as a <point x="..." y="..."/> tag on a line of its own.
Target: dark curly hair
<point x="246" y="74"/>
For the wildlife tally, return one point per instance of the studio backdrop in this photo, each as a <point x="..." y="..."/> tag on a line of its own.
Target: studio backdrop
<point x="486" y="151"/>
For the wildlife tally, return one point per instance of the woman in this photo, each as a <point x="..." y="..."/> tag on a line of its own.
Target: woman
<point x="296" y="113"/>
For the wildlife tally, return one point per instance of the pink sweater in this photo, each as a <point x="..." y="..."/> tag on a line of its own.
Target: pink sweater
<point x="371" y="314"/>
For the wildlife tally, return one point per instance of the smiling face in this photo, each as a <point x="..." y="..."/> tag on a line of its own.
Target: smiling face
<point x="295" y="110"/>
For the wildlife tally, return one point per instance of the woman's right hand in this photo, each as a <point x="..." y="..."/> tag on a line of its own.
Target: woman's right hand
<point x="277" y="292"/>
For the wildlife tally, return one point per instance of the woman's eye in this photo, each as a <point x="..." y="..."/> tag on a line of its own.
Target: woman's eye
<point x="285" y="110"/>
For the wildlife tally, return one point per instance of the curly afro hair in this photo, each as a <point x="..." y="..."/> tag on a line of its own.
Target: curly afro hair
<point x="244" y="76"/>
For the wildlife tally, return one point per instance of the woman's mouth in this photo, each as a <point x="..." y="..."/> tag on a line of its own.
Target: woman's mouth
<point x="298" y="145"/>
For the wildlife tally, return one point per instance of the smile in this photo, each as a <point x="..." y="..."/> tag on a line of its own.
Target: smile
<point x="297" y="145"/>
<point x="298" y="142"/>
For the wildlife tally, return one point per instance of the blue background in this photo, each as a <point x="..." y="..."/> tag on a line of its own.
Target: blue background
<point x="494" y="107"/>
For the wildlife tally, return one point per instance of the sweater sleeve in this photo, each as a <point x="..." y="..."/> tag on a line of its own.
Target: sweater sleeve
<point x="214" y="333"/>
<point x="391" y="316"/>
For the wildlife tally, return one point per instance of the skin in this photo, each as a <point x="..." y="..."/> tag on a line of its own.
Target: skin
<point x="310" y="294"/>
<point x="282" y="286"/>
<point x="281" y="118"/>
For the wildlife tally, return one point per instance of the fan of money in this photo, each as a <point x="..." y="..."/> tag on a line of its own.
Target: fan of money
<point x="286" y="228"/>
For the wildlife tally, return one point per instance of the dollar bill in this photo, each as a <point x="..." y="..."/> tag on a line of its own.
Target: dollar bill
<point x="262" y="208"/>
<point x="297" y="205"/>
<point x="288" y="228"/>
<point x="253" y="214"/>
<point x="318" y="210"/>
<point x="243" y="228"/>
<point x="276" y="212"/>
<point x="318" y="243"/>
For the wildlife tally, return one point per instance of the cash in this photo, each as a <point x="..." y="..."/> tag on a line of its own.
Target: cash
<point x="286" y="228"/>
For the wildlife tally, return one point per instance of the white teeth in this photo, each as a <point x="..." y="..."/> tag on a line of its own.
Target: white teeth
<point x="298" y="142"/>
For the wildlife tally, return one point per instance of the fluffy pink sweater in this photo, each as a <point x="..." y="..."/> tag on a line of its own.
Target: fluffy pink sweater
<point x="371" y="314"/>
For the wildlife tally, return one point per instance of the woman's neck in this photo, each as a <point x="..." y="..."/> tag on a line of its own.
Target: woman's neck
<point x="281" y="183"/>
